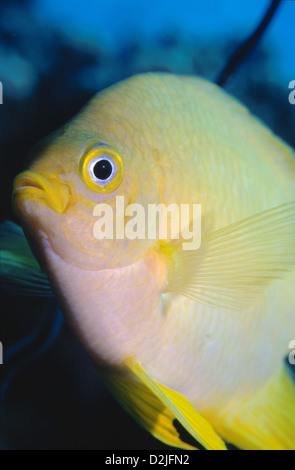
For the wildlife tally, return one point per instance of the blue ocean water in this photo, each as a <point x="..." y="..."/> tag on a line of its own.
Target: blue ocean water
<point x="211" y="20"/>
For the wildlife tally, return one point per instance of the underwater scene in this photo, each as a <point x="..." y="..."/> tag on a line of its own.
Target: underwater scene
<point x="147" y="231"/>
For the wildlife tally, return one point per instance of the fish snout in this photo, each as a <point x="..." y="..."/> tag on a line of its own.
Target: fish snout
<point x="32" y="185"/>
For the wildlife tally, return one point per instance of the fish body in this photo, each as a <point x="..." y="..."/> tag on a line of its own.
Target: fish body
<point x="212" y="325"/>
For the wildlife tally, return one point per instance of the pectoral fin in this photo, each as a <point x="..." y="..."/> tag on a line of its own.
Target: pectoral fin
<point x="20" y="272"/>
<point x="235" y="264"/>
<point x="159" y="406"/>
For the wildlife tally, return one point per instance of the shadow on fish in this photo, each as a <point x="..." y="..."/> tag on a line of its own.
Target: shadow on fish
<point x="188" y="341"/>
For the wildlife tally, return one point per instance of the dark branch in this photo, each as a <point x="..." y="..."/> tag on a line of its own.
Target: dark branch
<point x="246" y="48"/>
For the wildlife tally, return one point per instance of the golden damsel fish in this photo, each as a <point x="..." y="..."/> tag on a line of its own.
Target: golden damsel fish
<point x="194" y="336"/>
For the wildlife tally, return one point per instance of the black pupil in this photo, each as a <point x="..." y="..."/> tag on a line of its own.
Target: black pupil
<point x="102" y="169"/>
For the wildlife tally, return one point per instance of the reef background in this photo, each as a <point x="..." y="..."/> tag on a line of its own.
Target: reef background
<point x="53" y="397"/>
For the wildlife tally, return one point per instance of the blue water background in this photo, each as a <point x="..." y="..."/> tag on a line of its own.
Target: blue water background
<point x="211" y="20"/>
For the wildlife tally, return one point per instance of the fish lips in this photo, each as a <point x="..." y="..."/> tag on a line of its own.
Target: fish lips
<point x="30" y="185"/>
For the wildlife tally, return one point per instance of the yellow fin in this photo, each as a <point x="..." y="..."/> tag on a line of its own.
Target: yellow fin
<point x="266" y="421"/>
<point x="236" y="263"/>
<point x="144" y="406"/>
<point x="178" y="407"/>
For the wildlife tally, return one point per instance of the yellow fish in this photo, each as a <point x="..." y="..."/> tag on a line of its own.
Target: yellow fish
<point x="196" y="337"/>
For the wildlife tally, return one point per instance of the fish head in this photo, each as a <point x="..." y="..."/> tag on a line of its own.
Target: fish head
<point x="106" y="154"/>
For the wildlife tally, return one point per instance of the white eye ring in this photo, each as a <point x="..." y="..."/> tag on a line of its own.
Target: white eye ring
<point x="91" y="172"/>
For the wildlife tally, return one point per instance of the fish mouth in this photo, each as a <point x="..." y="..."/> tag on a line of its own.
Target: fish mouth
<point x="35" y="186"/>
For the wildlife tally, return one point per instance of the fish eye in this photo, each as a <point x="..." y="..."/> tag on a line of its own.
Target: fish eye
<point x="101" y="168"/>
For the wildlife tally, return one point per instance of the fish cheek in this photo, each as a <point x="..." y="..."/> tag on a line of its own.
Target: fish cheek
<point x="78" y="245"/>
